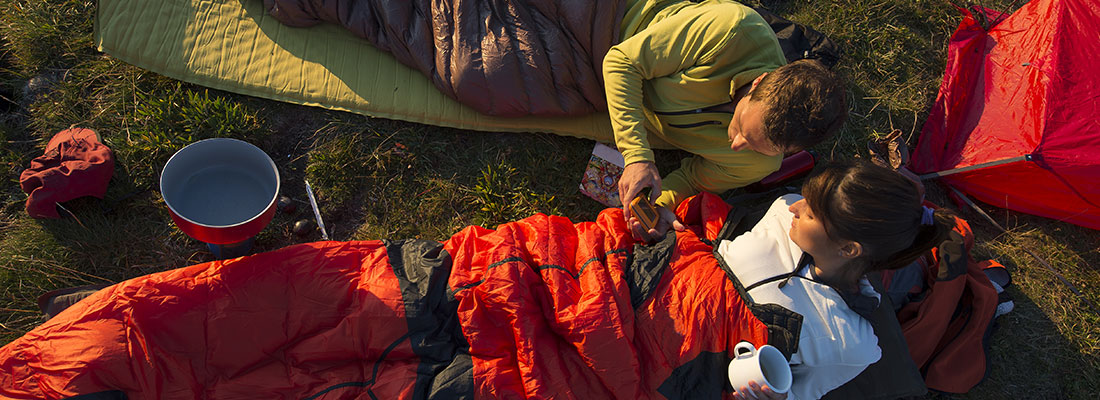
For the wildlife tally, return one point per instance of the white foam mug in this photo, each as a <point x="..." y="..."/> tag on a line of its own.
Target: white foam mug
<point x="765" y="366"/>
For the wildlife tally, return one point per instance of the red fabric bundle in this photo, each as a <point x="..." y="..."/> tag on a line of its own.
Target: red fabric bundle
<point x="74" y="165"/>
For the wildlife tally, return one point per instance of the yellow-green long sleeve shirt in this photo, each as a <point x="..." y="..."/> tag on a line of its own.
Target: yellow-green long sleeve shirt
<point x="678" y="59"/>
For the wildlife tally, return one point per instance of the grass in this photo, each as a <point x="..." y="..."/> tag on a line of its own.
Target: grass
<point x="378" y="178"/>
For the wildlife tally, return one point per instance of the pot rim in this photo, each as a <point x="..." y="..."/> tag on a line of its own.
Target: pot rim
<point x="274" y="197"/>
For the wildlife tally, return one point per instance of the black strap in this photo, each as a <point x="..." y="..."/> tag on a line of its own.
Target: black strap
<point x="803" y="262"/>
<point x="862" y="305"/>
<point x="785" y="277"/>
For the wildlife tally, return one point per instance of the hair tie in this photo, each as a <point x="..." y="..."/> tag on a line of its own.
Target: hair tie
<point x="926" y="216"/>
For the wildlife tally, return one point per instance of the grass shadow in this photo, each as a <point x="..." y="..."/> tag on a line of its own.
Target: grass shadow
<point x="1048" y="346"/>
<point x="1029" y="353"/>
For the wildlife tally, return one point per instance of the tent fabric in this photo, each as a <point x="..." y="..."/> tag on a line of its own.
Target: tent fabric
<point x="541" y="307"/>
<point x="1025" y="87"/>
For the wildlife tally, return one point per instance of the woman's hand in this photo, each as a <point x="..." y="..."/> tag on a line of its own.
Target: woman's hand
<point x="755" y="391"/>
<point x="667" y="220"/>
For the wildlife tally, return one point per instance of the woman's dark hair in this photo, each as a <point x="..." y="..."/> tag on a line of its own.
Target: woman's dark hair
<point x="877" y="207"/>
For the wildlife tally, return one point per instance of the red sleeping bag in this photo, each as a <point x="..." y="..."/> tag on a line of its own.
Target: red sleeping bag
<point x="540" y="307"/>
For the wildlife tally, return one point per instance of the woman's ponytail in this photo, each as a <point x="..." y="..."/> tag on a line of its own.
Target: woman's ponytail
<point x="928" y="237"/>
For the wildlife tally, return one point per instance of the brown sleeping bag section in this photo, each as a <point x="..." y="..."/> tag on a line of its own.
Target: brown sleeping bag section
<point x="501" y="58"/>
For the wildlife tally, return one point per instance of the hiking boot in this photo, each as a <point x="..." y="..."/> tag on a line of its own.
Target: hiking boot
<point x="53" y="302"/>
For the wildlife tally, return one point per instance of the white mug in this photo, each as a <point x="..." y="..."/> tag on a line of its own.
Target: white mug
<point x="765" y="366"/>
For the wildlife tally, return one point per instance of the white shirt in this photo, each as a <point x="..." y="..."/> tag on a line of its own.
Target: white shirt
<point x="835" y="343"/>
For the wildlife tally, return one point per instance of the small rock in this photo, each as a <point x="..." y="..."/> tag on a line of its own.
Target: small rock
<point x="42" y="84"/>
<point x="287" y="205"/>
<point x="303" y="227"/>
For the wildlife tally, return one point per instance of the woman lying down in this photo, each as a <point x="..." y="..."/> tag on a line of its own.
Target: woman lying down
<point x="810" y="254"/>
<point x="536" y="308"/>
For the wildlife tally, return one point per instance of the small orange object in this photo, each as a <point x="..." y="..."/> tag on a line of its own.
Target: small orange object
<point x="644" y="210"/>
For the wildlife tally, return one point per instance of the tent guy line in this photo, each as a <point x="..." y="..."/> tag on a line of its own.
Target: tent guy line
<point x="1041" y="261"/>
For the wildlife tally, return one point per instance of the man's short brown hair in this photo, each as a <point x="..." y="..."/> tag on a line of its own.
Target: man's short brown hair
<point x="805" y="104"/>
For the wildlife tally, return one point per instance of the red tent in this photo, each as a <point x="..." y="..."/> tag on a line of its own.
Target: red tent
<point x="1025" y="90"/>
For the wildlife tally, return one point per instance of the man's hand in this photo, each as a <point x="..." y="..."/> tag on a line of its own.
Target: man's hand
<point x="757" y="392"/>
<point x="667" y="220"/>
<point x="636" y="177"/>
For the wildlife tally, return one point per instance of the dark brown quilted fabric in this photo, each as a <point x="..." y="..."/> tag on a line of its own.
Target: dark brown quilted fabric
<point x="500" y="57"/>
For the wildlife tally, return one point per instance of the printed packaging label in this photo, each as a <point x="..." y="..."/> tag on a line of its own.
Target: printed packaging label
<point x="601" y="177"/>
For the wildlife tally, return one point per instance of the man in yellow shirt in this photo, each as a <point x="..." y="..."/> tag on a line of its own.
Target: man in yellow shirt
<point x="709" y="78"/>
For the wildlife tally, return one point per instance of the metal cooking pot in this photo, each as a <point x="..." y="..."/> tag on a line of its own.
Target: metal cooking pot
<point x="220" y="191"/>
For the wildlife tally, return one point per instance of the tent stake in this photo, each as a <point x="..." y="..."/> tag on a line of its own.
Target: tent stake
<point x="1026" y="157"/>
<point x="1032" y="253"/>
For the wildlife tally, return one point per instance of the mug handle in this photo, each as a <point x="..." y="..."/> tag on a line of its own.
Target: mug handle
<point x="738" y="351"/>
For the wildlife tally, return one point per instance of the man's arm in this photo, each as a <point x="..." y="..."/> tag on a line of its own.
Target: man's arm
<point x="691" y="38"/>
<point x="699" y="174"/>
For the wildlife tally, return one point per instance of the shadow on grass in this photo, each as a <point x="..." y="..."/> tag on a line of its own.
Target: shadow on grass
<point x="1048" y="347"/>
<point x="1032" y="357"/>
